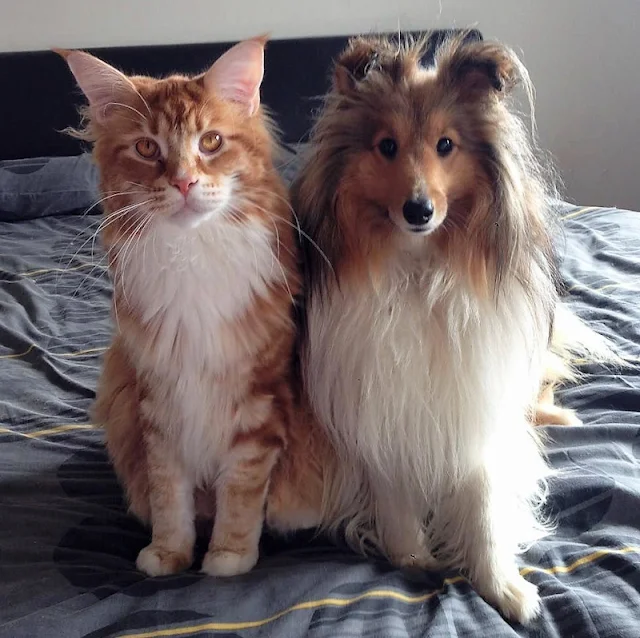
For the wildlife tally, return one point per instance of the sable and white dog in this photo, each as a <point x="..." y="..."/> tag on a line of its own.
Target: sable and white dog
<point x="429" y="315"/>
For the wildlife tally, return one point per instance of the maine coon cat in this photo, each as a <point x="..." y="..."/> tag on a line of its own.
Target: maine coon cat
<point x="195" y="394"/>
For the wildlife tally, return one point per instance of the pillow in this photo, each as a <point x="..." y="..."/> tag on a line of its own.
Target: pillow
<point x="44" y="186"/>
<point x="288" y="162"/>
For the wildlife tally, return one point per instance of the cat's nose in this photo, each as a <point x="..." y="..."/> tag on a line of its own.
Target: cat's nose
<point x="183" y="184"/>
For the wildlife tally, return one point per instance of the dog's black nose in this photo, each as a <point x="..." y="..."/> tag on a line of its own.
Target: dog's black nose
<point x="418" y="212"/>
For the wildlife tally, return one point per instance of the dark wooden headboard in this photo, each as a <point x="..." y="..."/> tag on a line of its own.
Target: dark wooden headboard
<point x="40" y="97"/>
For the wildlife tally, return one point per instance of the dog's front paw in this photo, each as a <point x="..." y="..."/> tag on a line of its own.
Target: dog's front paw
<point x="155" y="560"/>
<point x="226" y="563"/>
<point x="515" y="598"/>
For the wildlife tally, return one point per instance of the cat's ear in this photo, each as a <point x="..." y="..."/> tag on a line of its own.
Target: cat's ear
<point x="238" y="73"/>
<point x="101" y="83"/>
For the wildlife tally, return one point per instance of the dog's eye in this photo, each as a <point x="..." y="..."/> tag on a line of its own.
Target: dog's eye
<point x="444" y="146"/>
<point x="388" y="147"/>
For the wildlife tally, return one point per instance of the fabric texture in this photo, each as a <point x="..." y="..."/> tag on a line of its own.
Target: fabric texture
<point x="42" y="186"/>
<point x="68" y="547"/>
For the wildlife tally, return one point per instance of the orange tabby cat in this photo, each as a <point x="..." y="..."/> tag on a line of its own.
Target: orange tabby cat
<point x="195" y="394"/>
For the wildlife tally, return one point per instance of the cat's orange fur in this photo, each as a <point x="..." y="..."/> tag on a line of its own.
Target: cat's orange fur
<point x="196" y="391"/>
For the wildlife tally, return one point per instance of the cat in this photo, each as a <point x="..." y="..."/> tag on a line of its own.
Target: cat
<point x="195" y="393"/>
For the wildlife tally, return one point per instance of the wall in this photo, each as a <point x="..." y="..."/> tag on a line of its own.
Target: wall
<point x="583" y="56"/>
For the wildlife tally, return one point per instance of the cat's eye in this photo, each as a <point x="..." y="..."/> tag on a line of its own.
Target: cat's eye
<point x="388" y="147"/>
<point x="210" y="142"/>
<point x="444" y="146"/>
<point x="147" y="148"/>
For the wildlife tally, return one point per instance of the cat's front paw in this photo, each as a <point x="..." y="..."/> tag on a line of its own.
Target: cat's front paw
<point x="226" y="563"/>
<point x="155" y="560"/>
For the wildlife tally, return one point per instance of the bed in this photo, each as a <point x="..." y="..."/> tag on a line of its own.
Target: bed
<point x="67" y="545"/>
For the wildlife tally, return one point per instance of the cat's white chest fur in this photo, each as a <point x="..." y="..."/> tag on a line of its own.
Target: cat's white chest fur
<point x="199" y="278"/>
<point x="189" y="287"/>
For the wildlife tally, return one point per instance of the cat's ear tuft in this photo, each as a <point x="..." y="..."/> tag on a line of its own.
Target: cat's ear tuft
<point x="101" y="83"/>
<point x="238" y="73"/>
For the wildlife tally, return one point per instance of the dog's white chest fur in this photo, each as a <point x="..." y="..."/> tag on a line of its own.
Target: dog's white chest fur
<point x="417" y="376"/>
<point x="190" y="287"/>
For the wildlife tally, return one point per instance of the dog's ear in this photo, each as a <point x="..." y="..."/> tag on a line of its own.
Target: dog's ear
<point x="361" y="56"/>
<point x="479" y="68"/>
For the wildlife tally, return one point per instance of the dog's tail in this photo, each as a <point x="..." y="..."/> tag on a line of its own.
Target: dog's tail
<point x="573" y="343"/>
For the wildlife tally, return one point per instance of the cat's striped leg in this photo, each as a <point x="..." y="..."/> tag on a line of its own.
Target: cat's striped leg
<point x="172" y="510"/>
<point x="241" y="492"/>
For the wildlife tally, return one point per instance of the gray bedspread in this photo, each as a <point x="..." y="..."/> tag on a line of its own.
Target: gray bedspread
<point x="67" y="545"/>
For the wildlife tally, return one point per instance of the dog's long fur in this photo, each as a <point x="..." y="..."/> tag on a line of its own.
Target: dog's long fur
<point x="424" y="353"/>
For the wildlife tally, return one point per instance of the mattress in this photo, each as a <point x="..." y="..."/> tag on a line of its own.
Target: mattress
<point x="68" y="546"/>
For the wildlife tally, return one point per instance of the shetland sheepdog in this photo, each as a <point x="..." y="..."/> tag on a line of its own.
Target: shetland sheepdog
<point x="429" y="309"/>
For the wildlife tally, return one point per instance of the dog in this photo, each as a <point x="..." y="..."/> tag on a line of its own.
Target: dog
<point x="430" y="298"/>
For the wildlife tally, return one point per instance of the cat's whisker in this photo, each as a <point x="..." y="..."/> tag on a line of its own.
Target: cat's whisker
<point x="311" y="241"/>
<point x="298" y="229"/>
<point x="138" y="236"/>
<point x="284" y="200"/>
<point x="285" y="279"/>
<point x="109" y="195"/>
<point x="90" y="275"/>
<point x="238" y="212"/>
<point x="110" y="219"/>
<point x="144" y="250"/>
<point x="273" y="256"/>
<point x="145" y="188"/>
<point x="121" y="258"/>
<point x="146" y="104"/>
<point x="126" y="106"/>
<point x="204" y="105"/>
<point x="103" y="223"/>
<point x="132" y="230"/>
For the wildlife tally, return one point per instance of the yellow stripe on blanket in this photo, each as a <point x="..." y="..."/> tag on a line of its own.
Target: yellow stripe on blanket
<point x="388" y="594"/>
<point x="581" y="211"/>
<point x="18" y="355"/>
<point x="78" y="353"/>
<point x="382" y="594"/>
<point x="43" y="271"/>
<point x="64" y="355"/>
<point x="58" y="429"/>
<point x="585" y="560"/>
